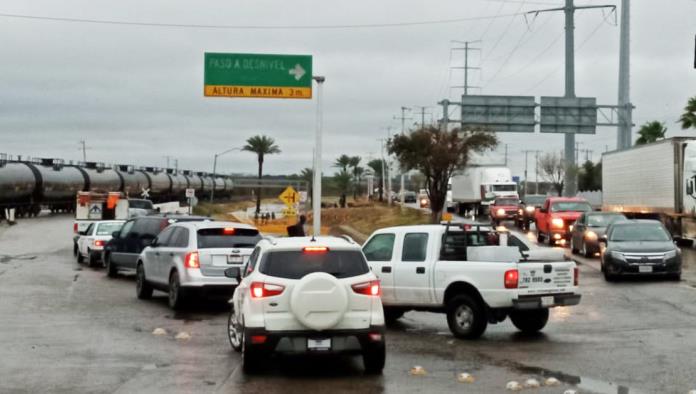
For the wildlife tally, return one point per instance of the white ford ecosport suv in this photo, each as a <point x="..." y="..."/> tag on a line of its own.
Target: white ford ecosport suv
<point x="308" y="296"/>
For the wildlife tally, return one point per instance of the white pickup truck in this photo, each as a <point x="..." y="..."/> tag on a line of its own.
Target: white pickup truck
<point x="474" y="274"/>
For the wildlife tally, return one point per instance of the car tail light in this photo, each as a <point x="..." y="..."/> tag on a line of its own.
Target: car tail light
<point x="576" y="276"/>
<point x="191" y="260"/>
<point x="263" y="290"/>
<point x="511" y="279"/>
<point x="375" y="336"/>
<point x="258" y="339"/>
<point x="99" y="242"/>
<point x="315" y="249"/>
<point x="371" y="288"/>
<point x="75" y="228"/>
<point x="228" y="230"/>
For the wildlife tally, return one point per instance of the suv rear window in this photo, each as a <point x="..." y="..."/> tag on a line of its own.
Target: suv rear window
<point x="221" y="238"/>
<point x="297" y="264"/>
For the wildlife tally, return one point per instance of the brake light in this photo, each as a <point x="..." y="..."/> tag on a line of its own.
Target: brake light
<point x="511" y="279"/>
<point x="263" y="290"/>
<point x="258" y="339"/>
<point x="371" y="288"/>
<point x="191" y="260"/>
<point x="228" y="230"/>
<point x="576" y="276"/>
<point x="315" y="249"/>
<point x="99" y="242"/>
<point x="75" y="228"/>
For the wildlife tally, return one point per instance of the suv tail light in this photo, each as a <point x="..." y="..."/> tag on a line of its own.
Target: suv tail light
<point x="371" y="288"/>
<point x="262" y="290"/>
<point x="576" y="276"/>
<point x="191" y="260"/>
<point x="99" y="242"/>
<point x="511" y="279"/>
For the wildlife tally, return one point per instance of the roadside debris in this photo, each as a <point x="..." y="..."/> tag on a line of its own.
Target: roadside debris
<point x="159" y="331"/>
<point x="552" y="382"/>
<point x="531" y="384"/>
<point x="418" y="371"/>
<point x="513" y="386"/>
<point x="465" y="378"/>
<point x="183" y="336"/>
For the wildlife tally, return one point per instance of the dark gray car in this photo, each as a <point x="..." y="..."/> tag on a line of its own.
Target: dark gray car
<point x="590" y="226"/>
<point x="640" y="247"/>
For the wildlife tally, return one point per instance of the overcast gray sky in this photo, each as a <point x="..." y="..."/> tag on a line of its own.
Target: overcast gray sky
<point x="134" y="93"/>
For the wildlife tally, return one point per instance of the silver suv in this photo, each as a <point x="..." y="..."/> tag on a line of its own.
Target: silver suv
<point x="191" y="256"/>
<point x="310" y="296"/>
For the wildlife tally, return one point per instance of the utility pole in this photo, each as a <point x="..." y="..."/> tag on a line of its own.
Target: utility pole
<point x="422" y="113"/>
<point x="623" y="135"/>
<point x="316" y="181"/>
<point x="467" y="48"/>
<point x="577" y="152"/>
<point x="84" y="150"/>
<point x="526" y="152"/>
<point x="387" y="163"/>
<point x="167" y="157"/>
<point x="403" y="132"/>
<point x="506" y="155"/>
<point x="536" y="172"/>
<point x="569" y="12"/>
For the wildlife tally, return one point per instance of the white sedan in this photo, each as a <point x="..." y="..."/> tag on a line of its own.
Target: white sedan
<point x="91" y="241"/>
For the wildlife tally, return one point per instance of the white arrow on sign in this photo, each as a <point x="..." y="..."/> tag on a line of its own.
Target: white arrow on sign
<point x="145" y="192"/>
<point x="298" y="72"/>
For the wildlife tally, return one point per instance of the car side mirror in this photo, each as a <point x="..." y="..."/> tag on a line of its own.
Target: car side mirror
<point x="603" y="239"/>
<point x="234" y="273"/>
<point x="154" y="243"/>
<point x="115" y="234"/>
<point x="542" y="210"/>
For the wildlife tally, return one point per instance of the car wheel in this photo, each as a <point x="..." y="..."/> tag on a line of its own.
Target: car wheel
<point x="91" y="261"/>
<point x="75" y="249"/>
<point x="540" y="237"/>
<point x="573" y="249"/>
<point x="530" y="321"/>
<point x="374" y="358"/>
<point x="551" y="241"/>
<point x="608" y="276"/>
<point x="142" y="288"/>
<point x="234" y="333"/>
<point x="391" y="315"/>
<point x="585" y="252"/>
<point x="111" y="270"/>
<point x="251" y="357"/>
<point x="79" y="257"/>
<point x="675" y="277"/>
<point x="466" y="317"/>
<point x="176" y="293"/>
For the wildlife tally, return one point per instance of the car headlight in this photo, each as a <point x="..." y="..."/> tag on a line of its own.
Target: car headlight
<point x="570" y="228"/>
<point x="557" y="222"/>
<point x="529" y="209"/>
<point x="618" y="256"/>
<point x="591" y="235"/>
<point x="424" y="201"/>
<point x="500" y="212"/>
<point x="671" y="254"/>
<point x="520" y="211"/>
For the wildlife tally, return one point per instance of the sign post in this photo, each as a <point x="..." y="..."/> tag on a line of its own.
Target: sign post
<point x="190" y="195"/>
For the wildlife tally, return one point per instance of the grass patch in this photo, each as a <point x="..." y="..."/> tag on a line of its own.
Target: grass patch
<point x="368" y="219"/>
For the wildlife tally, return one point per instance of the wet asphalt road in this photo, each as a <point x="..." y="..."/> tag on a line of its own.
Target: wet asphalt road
<point x="66" y="329"/>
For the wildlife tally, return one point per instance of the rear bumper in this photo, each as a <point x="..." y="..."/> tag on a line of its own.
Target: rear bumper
<point x="295" y="342"/>
<point x="195" y="278"/>
<point x="535" y="302"/>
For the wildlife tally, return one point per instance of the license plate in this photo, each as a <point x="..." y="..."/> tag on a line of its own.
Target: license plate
<point x="645" y="268"/>
<point x="547" y="301"/>
<point x="319" y="344"/>
<point x="234" y="259"/>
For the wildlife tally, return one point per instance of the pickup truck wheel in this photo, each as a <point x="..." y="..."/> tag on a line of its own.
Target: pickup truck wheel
<point x="540" y="237"/>
<point x="530" y="321"/>
<point x="111" y="270"/>
<point x="466" y="317"/>
<point x="391" y="315"/>
<point x="374" y="359"/>
<point x="142" y="289"/>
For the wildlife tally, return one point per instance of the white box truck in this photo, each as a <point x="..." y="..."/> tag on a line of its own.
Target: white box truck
<point x="654" y="181"/>
<point x="477" y="187"/>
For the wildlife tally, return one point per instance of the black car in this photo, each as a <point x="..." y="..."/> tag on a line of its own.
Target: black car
<point x="590" y="226"/>
<point x="122" y="251"/>
<point x="639" y="247"/>
<point x="527" y="209"/>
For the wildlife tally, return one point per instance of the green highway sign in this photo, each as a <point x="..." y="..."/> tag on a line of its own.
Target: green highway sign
<point x="258" y="75"/>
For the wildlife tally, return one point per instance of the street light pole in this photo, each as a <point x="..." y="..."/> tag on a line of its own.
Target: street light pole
<point x="316" y="192"/>
<point x="212" y="191"/>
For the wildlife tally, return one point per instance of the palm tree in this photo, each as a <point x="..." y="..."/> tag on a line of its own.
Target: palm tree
<point x="354" y="163"/>
<point x="651" y="132"/>
<point x="343" y="162"/>
<point x="342" y="180"/>
<point x="376" y="166"/>
<point x="262" y="146"/>
<point x="688" y="118"/>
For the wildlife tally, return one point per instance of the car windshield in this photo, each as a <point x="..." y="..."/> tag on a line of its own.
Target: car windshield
<point x="570" y="206"/>
<point x="506" y="201"/>
<point x="209" y="238"/>
<point x="297" y="263"/>
<point x="140" y="204"/>
<point x="640" y="232"/>
<point x="534" y="200"/>
<point x="108" y="228"/>
<point x="503" y="188"/>
<point x="601" y="220"/>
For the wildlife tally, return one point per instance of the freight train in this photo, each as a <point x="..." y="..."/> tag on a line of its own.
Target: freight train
<point x="27" y="186"/>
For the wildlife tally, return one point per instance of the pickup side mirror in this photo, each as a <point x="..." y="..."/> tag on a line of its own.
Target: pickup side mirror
<point x="603" y="239"/>
<point x="116" y="234"/>
<point x="234" y="273"/>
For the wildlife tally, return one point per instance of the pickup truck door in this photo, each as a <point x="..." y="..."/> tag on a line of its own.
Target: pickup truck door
<point x="412" y="271"/>
<point x="379" y="252"/>
<point x="540" y="217"/>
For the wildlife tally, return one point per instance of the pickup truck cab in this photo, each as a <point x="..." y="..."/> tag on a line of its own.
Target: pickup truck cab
<point x="554" y="220"/>
<point x="504" y="208"/>
<point x="470" y="273"/>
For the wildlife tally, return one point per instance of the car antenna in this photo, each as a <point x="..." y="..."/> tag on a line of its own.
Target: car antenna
<point x="313" y="239"/>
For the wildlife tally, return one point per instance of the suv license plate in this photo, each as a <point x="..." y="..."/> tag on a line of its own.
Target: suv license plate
<point x="645" y="268"/>
<point x="234" y="259"/>
<point x="547" y="301"/>
<point x="319" y="344"/>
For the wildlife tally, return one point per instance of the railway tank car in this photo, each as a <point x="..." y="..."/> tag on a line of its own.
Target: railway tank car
<point x="101" y="178"/>
<point x="18" y="188"/>
<point x="135" y="182"/>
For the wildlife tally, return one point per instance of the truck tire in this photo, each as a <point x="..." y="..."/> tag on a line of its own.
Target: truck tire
<point x="466" y="317"/>
<point x="142" y="288"/>
<point x="111" y="270"/>
<point x="391" y="315"/>
<point x="374" y="358"/>
<point x="530" y="321"/>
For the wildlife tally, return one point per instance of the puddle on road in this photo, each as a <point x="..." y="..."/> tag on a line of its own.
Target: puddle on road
<point x="5" y="258"/>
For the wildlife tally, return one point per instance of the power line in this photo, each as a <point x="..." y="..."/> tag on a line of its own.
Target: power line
<point x="507" y="28"/>
<point x="258" y="27"/>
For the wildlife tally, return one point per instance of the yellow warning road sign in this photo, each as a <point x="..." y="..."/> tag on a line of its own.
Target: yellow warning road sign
<point x="289" y="196"/>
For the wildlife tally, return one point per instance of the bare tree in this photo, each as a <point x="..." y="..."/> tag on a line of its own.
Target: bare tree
<point x="552" y="170"/>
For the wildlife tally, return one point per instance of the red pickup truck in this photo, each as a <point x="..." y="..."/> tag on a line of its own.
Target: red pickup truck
<point x="504" y="208"/>
<point x="555" y="218"/>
